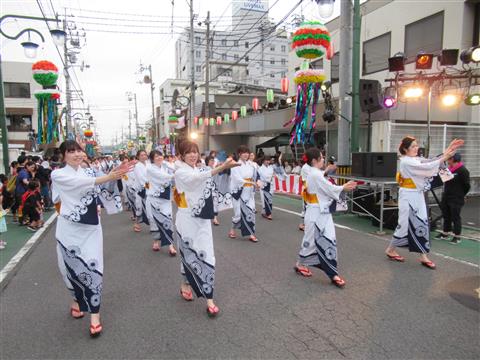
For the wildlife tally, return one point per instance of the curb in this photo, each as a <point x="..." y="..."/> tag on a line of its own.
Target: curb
<point x="9" y="271"/>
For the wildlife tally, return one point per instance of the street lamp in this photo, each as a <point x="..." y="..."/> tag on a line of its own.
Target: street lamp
<point x="30" y="49"/>
<point x="325" y="8"/>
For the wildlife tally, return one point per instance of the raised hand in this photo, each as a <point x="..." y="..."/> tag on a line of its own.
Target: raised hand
<point x="349" y="186"/>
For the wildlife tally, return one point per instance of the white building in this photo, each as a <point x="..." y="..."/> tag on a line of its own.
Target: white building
<point x="265" y="64"/>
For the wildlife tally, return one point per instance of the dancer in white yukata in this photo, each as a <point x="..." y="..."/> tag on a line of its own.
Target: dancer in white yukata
<point x="129" y="185"/>
<point x="79" y="232"/>
<point x="140" y="186"/>
<point x="159" y="204"/>
<point x="194" y="199"/>
<point x="414" y="177"/>
<point x="319" y="245"/>
<point x="243" y="180"/>
<point x="265" y="175"/>
<point x="304" y="172"/>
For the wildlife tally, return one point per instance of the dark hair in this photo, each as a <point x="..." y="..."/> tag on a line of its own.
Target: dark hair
<point x="29" y="163"/>
<point x="21" y="159"/>
<point x="208" y="158"/>
<point x="131" y="158"/>
<point x="139" y="152"/>
<point x="32" y="185"/>
<point x="35" y="158"/>
<point x="187" y="146"/>
<point x="242" y="149"/>
<point x="152" y="154"/>
<point x="405" y="144"/>
<point x="13" y="164"/>
<point x="122" y="157"/>
<point x="3" y="178"/>
<point x="311" y="154"/>
<point x="69" y="146"/>
<point x="212" y="153"/>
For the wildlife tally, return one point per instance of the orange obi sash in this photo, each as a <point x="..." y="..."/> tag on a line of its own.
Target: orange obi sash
<point x="180" y="199"/>
<point x="248" y="184"/>
<point x="406" y="183"/>
<point x="307" y="197"/>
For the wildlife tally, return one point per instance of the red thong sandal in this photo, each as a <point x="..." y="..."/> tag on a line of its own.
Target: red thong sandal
<point x="429" y="264"/>
<point x="338" y="282"/>
<point x="212" y="311"/>
<point x="301" y="227"/>
<point x="137" y="228"/>
<point x="232" y="235"/>
<point x="172" y="252"/>
<point x="253" y="239"/>
<point x="302" y="270"/>
<point x="95" y="330"/>
<point x="186" y="295"/>
<point x="156" y="247"/>
<point x="396" y="258"/>
<point x="76" y="313"/>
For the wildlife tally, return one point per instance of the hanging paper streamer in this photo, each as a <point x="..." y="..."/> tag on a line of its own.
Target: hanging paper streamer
<point x="255" y="104"/>
<point x="226" y="118"/>
<point x="234" y="115"/>
<point x="173" y="120"/>
<point x="270" y="96"/>
<point x="308" y="89"/>
<point x="285" y="83"/>
<point x="88" y="133"/>
<point x="46" y="74"/>
<point x="311" y="40"/>
<point x="243" y="111"/>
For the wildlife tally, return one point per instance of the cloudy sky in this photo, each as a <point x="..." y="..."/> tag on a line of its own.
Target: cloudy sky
<point x="120" y="35"/>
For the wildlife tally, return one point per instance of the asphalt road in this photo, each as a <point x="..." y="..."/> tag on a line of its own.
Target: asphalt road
<point x="387" y="310"/>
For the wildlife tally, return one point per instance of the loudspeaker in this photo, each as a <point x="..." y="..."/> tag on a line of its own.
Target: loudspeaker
<point x="370" y="95"/>
<point x="374" y="164"/>
<point x="390" y="218"/>
<point x="359" y="164"/>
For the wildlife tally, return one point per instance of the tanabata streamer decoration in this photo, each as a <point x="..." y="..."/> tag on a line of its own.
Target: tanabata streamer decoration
<point x="243" y="111"/>
<point x="234" y="115"/>
<point x="88" y="133"/>
<point x="270" y="96"/>
<point x="255" y="104"/>
<point x="46" y="74"/>
<point x="311" y="40"/>
<point x="219" y="120"/>
<point x="284" y="85"/>
<point x="226" y="118"/>
<point x="173" y="120"/>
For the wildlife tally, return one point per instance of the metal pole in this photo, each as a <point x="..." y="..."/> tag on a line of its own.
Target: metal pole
<point x="192" y="70"/>
<point x="3" y="126"/>
<point x="326" y="140"/>
<point x="429" y="104"/>
<point x="369" y="130"/>
<point x="357" y="23"/>
<point x="68" y="105"/>
<point x="345" y="84"/>
<point x="207" y="85"/>
<point x="154" y="122"/>
<point x="129" y="124"/>
<point x="136" y="115"/>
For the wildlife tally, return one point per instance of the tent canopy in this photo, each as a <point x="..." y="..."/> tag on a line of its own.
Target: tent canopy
<point x="280" y="140"/>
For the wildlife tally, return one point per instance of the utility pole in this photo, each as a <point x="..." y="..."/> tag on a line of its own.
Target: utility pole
<point x="207" y="84"/>
<point x="136" y="115"/>
<point x="262" y="37"/>
<point x="356" y="76"/>
<point x="345" y="84"/>
<point x="154" y="122"/>
<point x="129" y="124"/>
<point x="192" y="69"/>
<point x="68" y="100"/>
<point x="3" y="127"/>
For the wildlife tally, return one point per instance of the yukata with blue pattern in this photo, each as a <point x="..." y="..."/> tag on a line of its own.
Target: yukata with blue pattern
<point x="194" y="191"/>
<point x="265" y="175"/>
<point x="414" y="177"/>
<point x="140" y="186"/>
<point x="79" y="232"/>
<point x="159" y="204"/>
<point x="319" y="244"/>
<point x="242" y="187"/>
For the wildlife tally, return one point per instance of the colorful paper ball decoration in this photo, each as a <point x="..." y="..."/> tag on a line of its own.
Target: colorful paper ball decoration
<point x="284" y="84"/>
<point x="173" y="120"/>
<point x="255" y="104"/>
<point x="219" y="120"/>
<point x="47" y="94"/>
<point x="310" y="76"/>
<point x="195" y="120"/>
<point x="243" y="111"/>
<point x="226" y="118"/>
<point x="311" y="40"/>
<point x="88" y="133"/>
<point x="330" y="51"/>
<point x="234" y="115"/>
<point x="200" y="121"/>
<point x="45" y="73"/>
<point x="270" y="95"/>
<point x="212" y="121"/>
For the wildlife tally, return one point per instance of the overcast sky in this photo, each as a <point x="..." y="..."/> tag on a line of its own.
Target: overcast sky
<point x="114" y="57"/>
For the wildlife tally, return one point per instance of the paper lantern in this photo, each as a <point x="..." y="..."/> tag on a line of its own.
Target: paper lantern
<point x="219" y="120"/>
<point x="226" y="118"/>
<point x="212" y="121"/>
<point x="200" y="121"/>
<point x="270" y="95"/>
<point x="284" y="84"/>
<point x="243" y="111"/>
<point x="311" y="40"/>
<point x="45" y="73"/>
<point x="195" y="120"/>
<point x="255" y="104"/>
<point x="234" y="115"/>
<point x="88" y="133"/>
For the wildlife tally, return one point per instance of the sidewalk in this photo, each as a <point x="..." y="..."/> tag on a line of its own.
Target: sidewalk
<point x="468" y="250"/>
<point x="16" y="237"/>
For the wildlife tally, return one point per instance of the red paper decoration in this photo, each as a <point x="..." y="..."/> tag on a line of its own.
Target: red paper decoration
<point x="195" y="120"/>
<point x="219" y="120"/>
<point x="255" y="104"/>
<point x="284" y="84"/>
<point x="234" y="115"/>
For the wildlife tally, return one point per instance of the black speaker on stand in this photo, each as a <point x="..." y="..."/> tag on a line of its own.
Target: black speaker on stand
<point x="370" y="94"/>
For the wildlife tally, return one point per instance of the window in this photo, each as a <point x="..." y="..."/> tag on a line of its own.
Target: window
<point x="19" y="122"/>
<point x="272" y="61"/>
<point x="246" y="59"/>
<point x="224" y="42"/>
<point x="247" y="72"/>
<point x="317" y="64"/>
<point x="272" y="75"/>
<point x="224" y="57"/>
<point x="283" y="61"/>
<point x="17" y="90"/>
<point x="198" y="53"/>
<point x="235" y="43"/>
<point x="375" y="54"/>
<point x="198" y="40"/>
<point x="246" y="45"/>
<point x="235" y="57"/>
<point x="255" y="82"/>
<point x="272" y="47"/>
<point x="335" y="67"/>
<point x="284" y="48"/>
<point x="284" y="74"/>
<point x="424" y="35"/>
<point x="198" y="68"/>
